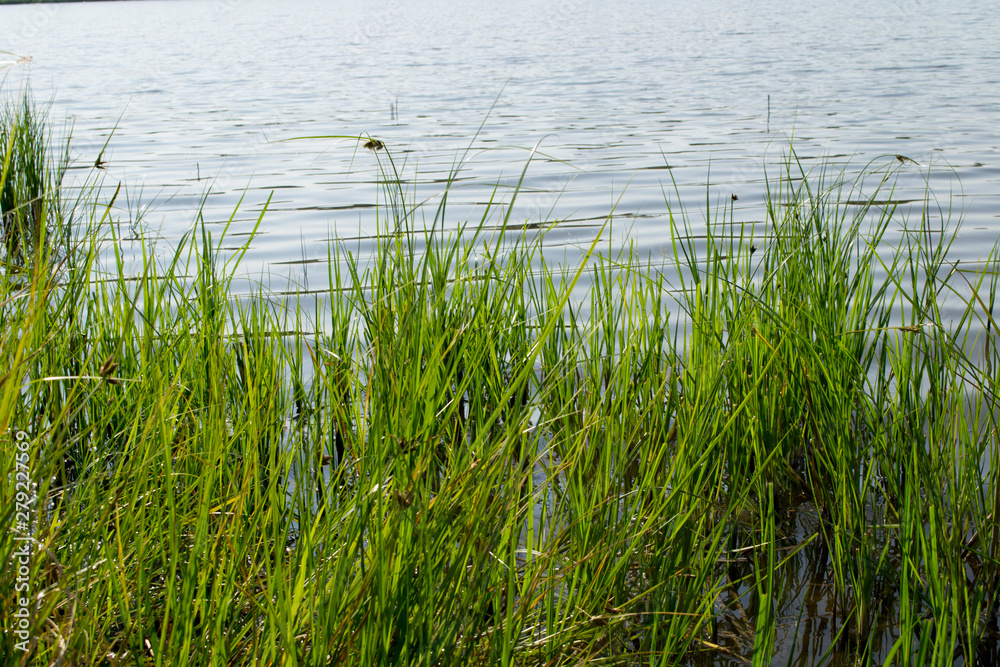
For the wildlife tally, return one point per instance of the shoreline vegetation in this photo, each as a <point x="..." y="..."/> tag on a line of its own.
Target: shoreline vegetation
<point x="770" y="448"/>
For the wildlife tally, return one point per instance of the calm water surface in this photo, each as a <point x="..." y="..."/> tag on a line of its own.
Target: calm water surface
<point x="205" y="93"/>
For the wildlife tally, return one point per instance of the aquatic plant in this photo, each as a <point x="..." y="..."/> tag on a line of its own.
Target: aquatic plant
<point x="453" y="459"/>
<point x="31" y="172"/>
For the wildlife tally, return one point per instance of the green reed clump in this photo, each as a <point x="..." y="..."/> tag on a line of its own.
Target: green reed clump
<point x="843" y="383"/>
<point x="454" y="461"/>
<point x="32" y="172"/>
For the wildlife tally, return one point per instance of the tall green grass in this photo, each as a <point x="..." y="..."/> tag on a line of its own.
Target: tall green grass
<point x="456" y="461"/>
<point x="31" y="173"/>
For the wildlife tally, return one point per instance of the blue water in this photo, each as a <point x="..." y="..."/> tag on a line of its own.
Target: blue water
<point x="206" y="94"/>
<point x="620" y="107"/>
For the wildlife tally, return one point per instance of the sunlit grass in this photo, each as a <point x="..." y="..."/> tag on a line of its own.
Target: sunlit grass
<point x="463" y="464"/>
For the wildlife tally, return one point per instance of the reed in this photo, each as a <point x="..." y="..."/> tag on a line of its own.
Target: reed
<point x="454" y="460"/>
<point x="32" y="166"/>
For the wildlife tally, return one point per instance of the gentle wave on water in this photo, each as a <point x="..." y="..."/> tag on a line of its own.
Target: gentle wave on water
<point x="622" y="103"/>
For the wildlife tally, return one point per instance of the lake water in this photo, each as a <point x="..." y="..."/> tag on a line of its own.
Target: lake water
<point x="205" y="92"/>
